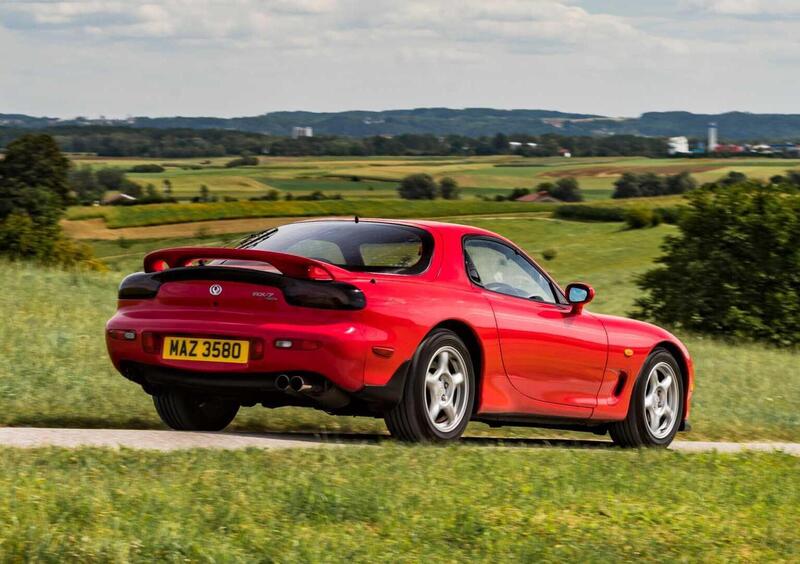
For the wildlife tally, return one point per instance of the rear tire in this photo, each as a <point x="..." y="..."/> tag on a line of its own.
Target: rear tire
<point x="185" y="412"/>
<point x="439" y="392"/>
<point x="655" y="410"/>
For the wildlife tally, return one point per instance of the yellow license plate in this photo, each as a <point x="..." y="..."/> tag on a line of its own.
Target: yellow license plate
<point x="205" y="350"/>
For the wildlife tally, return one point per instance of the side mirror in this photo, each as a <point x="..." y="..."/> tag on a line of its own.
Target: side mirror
<point x="579" y="295"/>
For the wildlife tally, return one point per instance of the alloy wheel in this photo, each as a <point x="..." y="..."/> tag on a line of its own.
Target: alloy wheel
<point x="446" y="389"/>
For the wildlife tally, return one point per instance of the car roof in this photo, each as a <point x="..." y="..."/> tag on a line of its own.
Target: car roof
<point x="454" y="229"/>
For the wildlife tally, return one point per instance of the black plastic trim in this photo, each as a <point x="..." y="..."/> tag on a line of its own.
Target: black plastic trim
<point x="388" y="395"/>
<point x="544" y="422"/>
<point x="297" y="292"/>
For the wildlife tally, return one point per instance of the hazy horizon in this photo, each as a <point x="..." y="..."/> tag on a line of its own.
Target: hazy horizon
<point x="199" y="116"/>
<point x="616" y="58"/>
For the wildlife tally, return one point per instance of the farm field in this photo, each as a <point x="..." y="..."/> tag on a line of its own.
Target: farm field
<point x="111" y="222"/>
<point x="163" y="214"/>
<point x="743" y="390"/>
<point x="333" y="504"/>
<point x="377" y="177"/>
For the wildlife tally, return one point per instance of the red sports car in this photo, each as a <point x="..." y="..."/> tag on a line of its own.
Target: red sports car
<point x="427" y="325"/>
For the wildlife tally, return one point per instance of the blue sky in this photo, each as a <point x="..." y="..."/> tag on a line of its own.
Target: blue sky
<point x="246" y="57"/>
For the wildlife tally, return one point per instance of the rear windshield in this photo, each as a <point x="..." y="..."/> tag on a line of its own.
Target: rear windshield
<point x="364" y="246"/>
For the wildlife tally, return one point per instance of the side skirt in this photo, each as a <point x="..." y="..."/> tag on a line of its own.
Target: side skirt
<point x="524" y="420"/>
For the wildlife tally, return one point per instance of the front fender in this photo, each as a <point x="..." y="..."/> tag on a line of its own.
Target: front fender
<point x="630" y="342"/>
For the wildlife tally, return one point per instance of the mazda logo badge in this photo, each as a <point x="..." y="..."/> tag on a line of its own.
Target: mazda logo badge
<point x="215" y="290"/>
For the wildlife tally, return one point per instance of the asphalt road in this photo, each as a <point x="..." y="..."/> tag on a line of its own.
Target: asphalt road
<point x="30" y="437"/>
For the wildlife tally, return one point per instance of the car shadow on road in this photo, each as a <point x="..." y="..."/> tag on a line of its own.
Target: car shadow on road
<point x="375" y="438"/>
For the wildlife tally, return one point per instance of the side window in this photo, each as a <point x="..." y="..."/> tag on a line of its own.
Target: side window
<point x="499" y="268"/>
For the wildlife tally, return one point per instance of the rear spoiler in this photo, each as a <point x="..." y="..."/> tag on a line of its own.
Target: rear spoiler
<point x="290" y="265"/>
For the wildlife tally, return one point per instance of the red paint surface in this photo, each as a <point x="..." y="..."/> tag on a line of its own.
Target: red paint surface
<point x="538" y="359"/>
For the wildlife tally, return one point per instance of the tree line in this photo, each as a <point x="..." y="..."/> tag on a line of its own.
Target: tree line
<point x="195" y="143"/>
<point x="647" y="184"/>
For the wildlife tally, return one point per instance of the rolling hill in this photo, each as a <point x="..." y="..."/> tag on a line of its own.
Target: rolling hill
<point x="473" y="122"/>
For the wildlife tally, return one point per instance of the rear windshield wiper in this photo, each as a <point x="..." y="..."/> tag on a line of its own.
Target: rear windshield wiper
<point x="256" y="238"/>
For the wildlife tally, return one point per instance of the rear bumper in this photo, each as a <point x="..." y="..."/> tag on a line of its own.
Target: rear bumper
<point x="253" y="388"/>
<point x="340" y="356"/>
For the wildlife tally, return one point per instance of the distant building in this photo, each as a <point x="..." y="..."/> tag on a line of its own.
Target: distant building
<point x="713" y="137"/>
<point x="729" y="149"/>
<point x="785" y="148"/>
<point x="302" y="132"/>
<point x="678" y="146"/>
<point x="115" y="199"/>
<point x="541" y="197"/>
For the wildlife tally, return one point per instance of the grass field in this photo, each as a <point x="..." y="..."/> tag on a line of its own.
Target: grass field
<point x="378" y="177"/>
<point x="117" y="217"/>
<point x="444" y="505"/>
<point x="54" y="370"/>
<point x="160" y="214"/>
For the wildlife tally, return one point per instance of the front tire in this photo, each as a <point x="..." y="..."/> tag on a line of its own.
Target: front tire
<point x="185" y="412"/>
<point x="656" y="406"/>
<point x="439" y="392"/>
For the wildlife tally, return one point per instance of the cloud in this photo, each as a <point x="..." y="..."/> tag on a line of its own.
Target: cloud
<point x="234" y="57"/>
<point x="747" y="7"/>
<point x="544" y="26"/>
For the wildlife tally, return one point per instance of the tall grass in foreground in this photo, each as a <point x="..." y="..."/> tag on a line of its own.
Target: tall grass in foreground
<point x="403" y="504"/>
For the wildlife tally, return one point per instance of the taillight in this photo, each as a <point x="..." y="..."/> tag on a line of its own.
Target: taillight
<point x="323" y="295"/>
<point x="297" y="344"/>
<point x="319" y="274"/>
<point x="160" y="265"/>
<point x="138" y="286"/>
<point x="256" y="349"/>
<point x="149" y="342"/>
<point x="122" y="334"/>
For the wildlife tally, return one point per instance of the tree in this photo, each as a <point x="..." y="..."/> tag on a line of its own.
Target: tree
<point x="205" y="193"/>
<point x="168" y="187"/>
<point x="83" y="182"/>
<point x="627" y="186"/>
<point x="680" y="183"/>
<point x="793" y="177"/>
<point x="242" y="161"/>
<point x="34" y="161"/>
<point x="732" y="178"/>
<point x="651" y="184"/>
<point x="500" y="143"/>
<point x="517" y="193"/>
<point x="567" y="190"/>
<point x="449" y="189"/>
<point x="111" y="178"/>
<point x="418" y="187"/>
<point x="734" y="270"/>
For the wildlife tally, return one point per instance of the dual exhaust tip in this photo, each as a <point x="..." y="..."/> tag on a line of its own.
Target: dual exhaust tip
<point x="296" y="384"/>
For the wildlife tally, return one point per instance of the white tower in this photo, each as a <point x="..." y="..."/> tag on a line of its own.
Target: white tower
<point x="713" y="141"/>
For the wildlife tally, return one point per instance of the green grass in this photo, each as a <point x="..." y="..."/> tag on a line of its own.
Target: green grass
<point x="444" y="505"/>
<point x="161" y="214"/>
<point x="330" y="186"/>
<point x="54" y="369"/>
